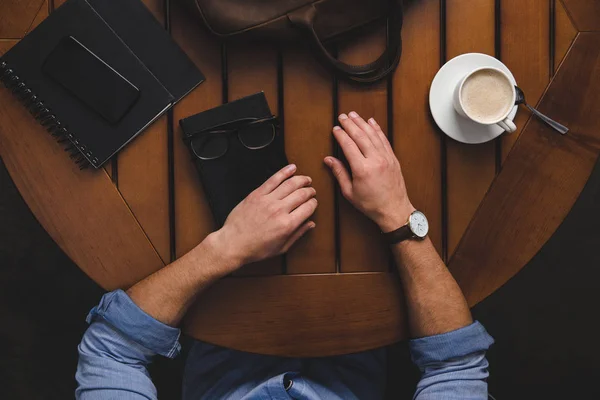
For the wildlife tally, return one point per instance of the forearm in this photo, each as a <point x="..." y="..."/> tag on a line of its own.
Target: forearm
<point x="167" y="294"/>
<point x="434" y="300"/>
<point x="128" y="329"/>
<point x="450" y="349"/>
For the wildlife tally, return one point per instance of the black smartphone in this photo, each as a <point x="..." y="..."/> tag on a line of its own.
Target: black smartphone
<point x="91" y="80"/>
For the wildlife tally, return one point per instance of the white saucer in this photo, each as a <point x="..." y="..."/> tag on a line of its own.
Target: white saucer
<point x="442" y="90"/>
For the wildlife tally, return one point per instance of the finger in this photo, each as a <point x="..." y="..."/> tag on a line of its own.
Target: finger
<point x="273" y="182"/>
<point x="307" y="226"/>
<point x="304" y="211"/>
<point x="291" y="185"/>
<point x="341" y="174"/>
<point x="367" y="129"/>
<point x="299" y="197"/>
<point x="382" y="136"/>
<point x="358" y="136"/>
<point x="350" y="149"/>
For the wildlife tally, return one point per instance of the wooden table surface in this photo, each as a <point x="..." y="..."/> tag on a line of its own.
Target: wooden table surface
<point x="490" y="208"/>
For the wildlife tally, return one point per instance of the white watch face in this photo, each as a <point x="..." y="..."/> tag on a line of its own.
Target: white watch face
<point x="418" y="224"/>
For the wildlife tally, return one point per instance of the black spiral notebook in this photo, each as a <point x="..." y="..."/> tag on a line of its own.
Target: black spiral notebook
<point x="96" y="73"/>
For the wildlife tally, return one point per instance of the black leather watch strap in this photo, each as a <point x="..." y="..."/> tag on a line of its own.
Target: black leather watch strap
<point x="399" y="235"/>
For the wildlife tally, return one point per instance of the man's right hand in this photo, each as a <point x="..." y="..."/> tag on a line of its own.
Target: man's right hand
<point x="376" y="186"/>
<point x="270" y="220"/>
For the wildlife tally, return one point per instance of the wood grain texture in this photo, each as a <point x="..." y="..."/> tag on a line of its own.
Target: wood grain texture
<point x="143" y="174"/>
<point x="81" y="210"/>
<point x="253" y="68"/>
<point x="144" y="183"/>
<point x="17" y="16"/>
<point x="301" y="315"/>
<point x="470" y="168"/>
<point x="193" y="218"/>
<point x="361" y="247"/>
<point x="308" y="105"/>
<point x="564" y="34"/>
<point x="540" y="180"/>
<point x="585" y="14"/>
<point x="525" y="51"/>
<point x="417" y="141"/>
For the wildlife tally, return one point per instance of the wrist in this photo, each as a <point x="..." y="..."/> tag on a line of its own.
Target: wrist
<point x="222" y="252"/>
<point x="394" y="219"/>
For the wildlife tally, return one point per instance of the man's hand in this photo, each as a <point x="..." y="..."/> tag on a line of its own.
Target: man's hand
<point x="376" y="186"/>
<point x="266" y="223"/>
<point x="270" y="220"/>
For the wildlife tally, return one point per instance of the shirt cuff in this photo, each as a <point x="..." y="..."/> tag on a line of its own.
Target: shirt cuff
<point x="459" y="343"/>
<point x="123" y="314"/>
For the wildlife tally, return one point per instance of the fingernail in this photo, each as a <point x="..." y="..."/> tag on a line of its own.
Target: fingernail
<point x="337" y="128"/>
<point x="315" y="200"/>
<point x="291" y="167"/>
<point x="328" y="161"/>
<point x="343" y="116"/>
<point x="309" y="179"/>
<point x="312" y="225"/>
<point x="353" y="114"/>
<point x="372" y="121"/>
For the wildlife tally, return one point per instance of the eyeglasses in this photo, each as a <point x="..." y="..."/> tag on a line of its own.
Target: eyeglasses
<point x="254" y="134"/>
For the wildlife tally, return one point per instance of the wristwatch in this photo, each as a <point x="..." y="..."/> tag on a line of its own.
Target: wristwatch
<point x="417" y="227"/>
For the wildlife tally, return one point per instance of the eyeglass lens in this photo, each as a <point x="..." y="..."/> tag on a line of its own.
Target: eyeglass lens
<point x="210" y="147"/>
<point x="257" y="136"/>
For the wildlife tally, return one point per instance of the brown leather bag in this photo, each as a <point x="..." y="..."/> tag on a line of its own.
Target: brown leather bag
<point x="316" y="21"/>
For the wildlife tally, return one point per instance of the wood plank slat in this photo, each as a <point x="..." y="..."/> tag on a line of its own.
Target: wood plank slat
<point x="417" y="140"/>
<point x="470" y="168"/>
<point x="301" y="315"/>
<point x="18" y="16"/>
<point x="525" y="51"/>
<point x="143" y="173"/>
<point x="564" y="34"/>
<point x="361" y="247"/>
<point x="585" y="14"/>
<point x="540" y="181"/>
<point x="253" y="68"/>
<point x="308" y="105"/>
<point x="193" y="218"/>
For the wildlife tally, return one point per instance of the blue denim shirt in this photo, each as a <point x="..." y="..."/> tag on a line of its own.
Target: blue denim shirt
<point x="122" y="340"/>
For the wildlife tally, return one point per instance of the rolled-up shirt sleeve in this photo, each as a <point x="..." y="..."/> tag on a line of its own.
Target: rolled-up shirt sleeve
<point x="453" y="364"/>
<point x="117" y="347"/>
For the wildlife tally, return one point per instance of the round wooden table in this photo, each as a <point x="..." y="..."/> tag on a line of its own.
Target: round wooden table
<point x="491" y="207"/>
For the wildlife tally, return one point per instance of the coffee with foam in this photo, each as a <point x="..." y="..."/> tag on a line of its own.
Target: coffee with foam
<point x="487" y="96"/>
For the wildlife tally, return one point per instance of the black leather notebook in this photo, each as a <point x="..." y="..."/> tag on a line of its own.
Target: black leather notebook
<point x="238" y="170"/>
<point x="96" y="73"/>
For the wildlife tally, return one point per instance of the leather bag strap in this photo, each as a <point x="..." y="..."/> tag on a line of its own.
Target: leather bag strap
<point x="304" y="19"/>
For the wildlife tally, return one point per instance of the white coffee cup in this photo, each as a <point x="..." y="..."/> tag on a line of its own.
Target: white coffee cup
<point x="502" y="120"/>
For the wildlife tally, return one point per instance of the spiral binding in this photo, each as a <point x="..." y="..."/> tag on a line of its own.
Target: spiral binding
<point x="77" y="151"/>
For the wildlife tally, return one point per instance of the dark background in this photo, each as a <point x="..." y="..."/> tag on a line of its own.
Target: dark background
<point x="543" y="320"/>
